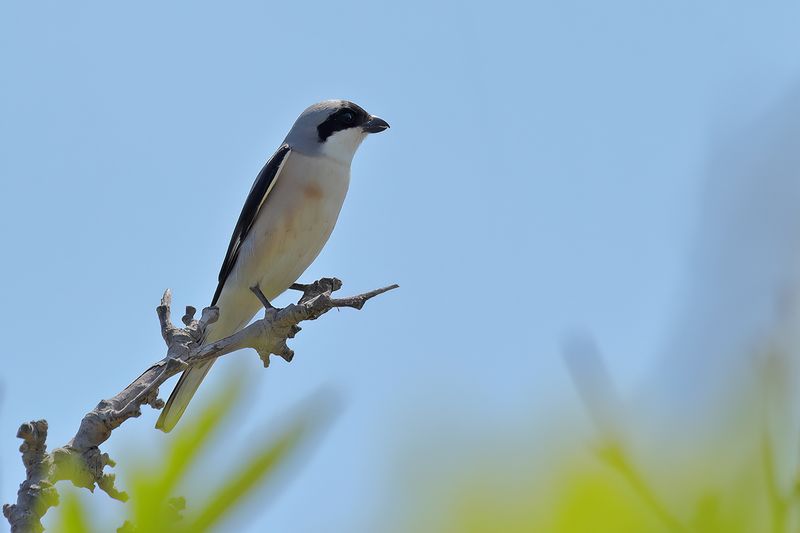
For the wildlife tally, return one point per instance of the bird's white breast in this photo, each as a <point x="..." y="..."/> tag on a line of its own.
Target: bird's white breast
<point x="291" y="228"/>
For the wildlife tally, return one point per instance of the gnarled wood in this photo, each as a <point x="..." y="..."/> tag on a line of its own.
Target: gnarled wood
<point x="80" y="460"/>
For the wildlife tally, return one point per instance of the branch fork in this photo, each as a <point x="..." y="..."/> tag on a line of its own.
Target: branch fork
<point x="80" y="460"/>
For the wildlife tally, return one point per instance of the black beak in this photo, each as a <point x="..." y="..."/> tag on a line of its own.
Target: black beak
<point x="374" y="125"/>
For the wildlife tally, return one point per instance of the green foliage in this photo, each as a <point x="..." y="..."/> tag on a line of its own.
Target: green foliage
<point x="726" y="482"/>
<point x="73" y="515"/>
<point x="153" y="507"/>
<point x="592" y="493"/>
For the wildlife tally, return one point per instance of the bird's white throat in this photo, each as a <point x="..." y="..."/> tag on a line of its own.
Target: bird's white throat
<point x="342" y="145"/>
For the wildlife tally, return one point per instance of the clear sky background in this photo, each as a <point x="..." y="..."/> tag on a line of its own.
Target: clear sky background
<point x="542" y="173"/>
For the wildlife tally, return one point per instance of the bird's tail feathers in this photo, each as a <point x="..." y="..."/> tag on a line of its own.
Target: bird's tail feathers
<point x="181" y="396"/>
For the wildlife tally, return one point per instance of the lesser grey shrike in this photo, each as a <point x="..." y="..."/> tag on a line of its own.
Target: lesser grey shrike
<point x="286" y="220"/>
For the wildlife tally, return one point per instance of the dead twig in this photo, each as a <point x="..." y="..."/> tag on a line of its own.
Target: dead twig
<point x="80" y="460"/>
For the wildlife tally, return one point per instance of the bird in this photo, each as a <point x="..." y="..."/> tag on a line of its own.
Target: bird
<point x="286" y="220"/>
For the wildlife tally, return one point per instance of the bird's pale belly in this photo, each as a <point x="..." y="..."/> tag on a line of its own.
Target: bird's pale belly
<point x="292" y="227"/>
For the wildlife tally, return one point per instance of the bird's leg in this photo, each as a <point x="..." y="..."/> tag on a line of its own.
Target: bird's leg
<point x="261" y="298"/>
<point x="293" y="330"/>
<point x="270" y="313"/>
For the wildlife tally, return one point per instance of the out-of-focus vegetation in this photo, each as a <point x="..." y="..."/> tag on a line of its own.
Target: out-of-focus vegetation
<point x="603" y="484"/>
<point x="605" y="493"/>
<point x="557" y="480"/>
<point x="156" y="504"/>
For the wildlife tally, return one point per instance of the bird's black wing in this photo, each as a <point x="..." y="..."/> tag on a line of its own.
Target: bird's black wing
<point x="258" y="194"/>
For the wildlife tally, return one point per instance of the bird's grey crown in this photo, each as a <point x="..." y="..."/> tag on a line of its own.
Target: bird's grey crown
<point x="304" y="135"/>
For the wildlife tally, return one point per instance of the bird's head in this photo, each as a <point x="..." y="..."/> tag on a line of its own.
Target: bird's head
<point x="333" y="128"/>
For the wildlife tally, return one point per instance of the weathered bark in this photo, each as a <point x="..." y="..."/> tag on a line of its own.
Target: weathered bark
<point x="80" y="460"/>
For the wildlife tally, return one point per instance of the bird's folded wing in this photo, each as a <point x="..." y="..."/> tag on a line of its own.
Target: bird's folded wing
<point x="258" y="194"/>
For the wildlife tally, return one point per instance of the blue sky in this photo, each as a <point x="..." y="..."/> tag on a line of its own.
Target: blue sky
<point x="542" y="174"/>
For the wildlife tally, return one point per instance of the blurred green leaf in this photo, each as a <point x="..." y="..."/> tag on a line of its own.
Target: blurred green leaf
<point x="254" y="471"/>
<point x="151" y="490"/>
<point x="153" y="506"/>
<point x="72" y="518"/>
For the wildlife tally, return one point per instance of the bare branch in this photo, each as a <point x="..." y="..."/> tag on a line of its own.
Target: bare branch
<point x="80" y="460"/>
<point x="357" y="302"/>
<point x="36" y="494"/>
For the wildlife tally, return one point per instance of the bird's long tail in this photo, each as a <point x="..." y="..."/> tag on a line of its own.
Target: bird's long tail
<point x="181" y="396"/>
<point x="235" y="317"/>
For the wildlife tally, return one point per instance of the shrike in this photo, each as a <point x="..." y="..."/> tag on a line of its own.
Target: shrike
<point x="286" y="220"/>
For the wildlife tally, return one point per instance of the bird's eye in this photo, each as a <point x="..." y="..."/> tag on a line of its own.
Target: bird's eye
<point x="348" y="117"/>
